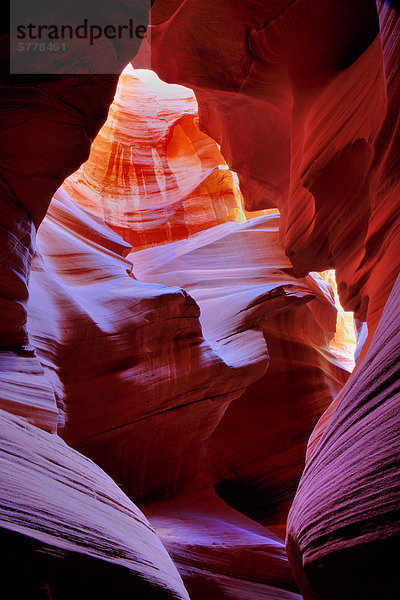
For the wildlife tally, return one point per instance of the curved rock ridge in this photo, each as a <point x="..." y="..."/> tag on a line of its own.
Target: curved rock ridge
<point x="74" y="531"/>
<point x="243" y="282"/>
<point x="302" y="101"/>
<point x="258" y="449"/>
<point x="381" y="260"/>
<point x="219" y="552"/>
<point x="30" y="390"/>
<point x="152" y="389"/>
<point x="241" y="261"/>
<point x="158" y="379"/>
<point x="84" y="282"/>
<point x="163" y="380"/>
<point x="68" y="528"/>
<point x="42" y="113"/>
<point x="344" y="525"/>
<point x="152" y="175"/>
<point x="47" y="123"/>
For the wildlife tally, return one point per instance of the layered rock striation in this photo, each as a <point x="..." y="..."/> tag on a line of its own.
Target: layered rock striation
<point x="199" y="361"/>
<point x="150" y="404"/>
<point x="67" y="528"/>
<point x="152" y="175"/>
<point x="343" y="527"/>
<point x="301" y="104"/>
<point x="320" y="81"/>
<point x="253" y="468"/>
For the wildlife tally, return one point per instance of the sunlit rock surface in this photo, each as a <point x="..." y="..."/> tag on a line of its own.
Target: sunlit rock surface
<point x="321" y="84"/>
<point x="74" y="531"/>
<point x="346" y="338"/>
<point x="47" y="124"/>
<point x="183" y="367"/>
<point x="158" y="382"/>
<point x="152" y="175"/>
<point x="150" y="377"/>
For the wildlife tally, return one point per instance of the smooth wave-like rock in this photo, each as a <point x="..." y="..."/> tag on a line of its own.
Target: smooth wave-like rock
<point x="243" y="282"/>
<point x="56" y="118"/>
<point x="219" y="552"/>
<point x="152" y="175"/>
<point x="159" y="379"/>
<point x="344" y="525"/>
<point x="166" y="387"/>
<point x="68" y="530"/>
<point x="29" y="390"/>
<point x="142" y="387"/>
<point x="127" y="406"/>
<point x="322" y="86"/>
<point x="302" y="103"/>
<point x="48" y="121"/>
<point x="380" y="263"/>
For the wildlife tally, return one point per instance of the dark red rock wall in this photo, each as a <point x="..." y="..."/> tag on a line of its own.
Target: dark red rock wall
<point x="304" y="102"/>
<point x="298" y="102"/>
<point x="47" y="126"/>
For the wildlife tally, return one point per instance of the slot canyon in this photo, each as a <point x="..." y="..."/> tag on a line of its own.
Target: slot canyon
<point x="199" y="304"/>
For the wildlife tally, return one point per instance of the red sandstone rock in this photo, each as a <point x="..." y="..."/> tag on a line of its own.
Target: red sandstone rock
<point x="381" y="260"/>
<point x="221" y="553"/>
<point x="243" y="282"/>
<point x="28" y="389"/>
<point x="70" y="109"/>
<point x="67" y="528"/>
<point x="158" y="380"/>
<point x="307" y="114"/>
<point x="344" y="525"/>
<point x="77" y="277"/>
<point x="297" y="101"/>
<point x="149" y="378"/>
<point x="152" y="176"/>
<point x="47" y="125"/>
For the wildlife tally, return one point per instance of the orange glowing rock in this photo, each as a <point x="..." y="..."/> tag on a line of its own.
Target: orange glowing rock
<point x="152" y="175"/>
<point x="344" y="341"/>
